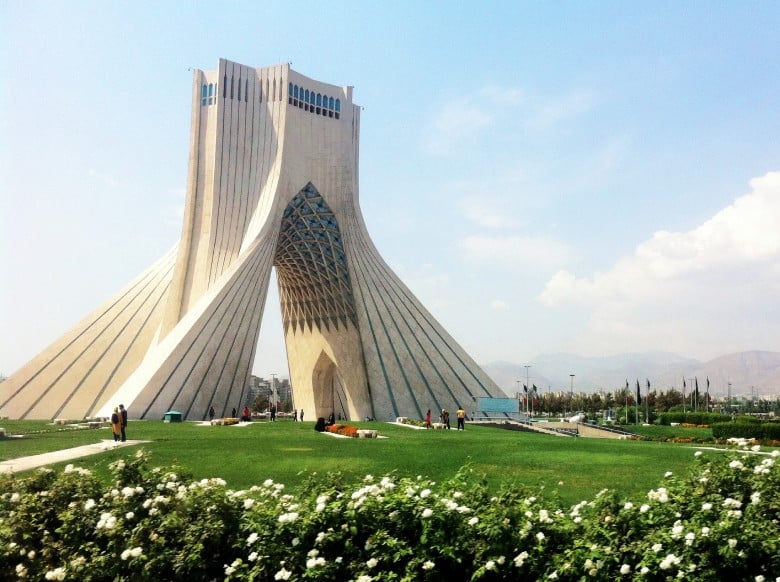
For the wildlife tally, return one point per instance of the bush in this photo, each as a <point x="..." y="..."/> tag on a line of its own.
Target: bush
<point x="720" y="522"/>
<point x="343" y="430"/>
<point x="761" y="431"/>
<point x="692" y="418"/>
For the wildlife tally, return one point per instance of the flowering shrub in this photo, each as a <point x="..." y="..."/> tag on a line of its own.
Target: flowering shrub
<point x="343" y="429"/>
<point x="720" y="522"/>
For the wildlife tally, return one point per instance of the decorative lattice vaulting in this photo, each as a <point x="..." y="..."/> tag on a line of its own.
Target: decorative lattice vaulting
<point x="311" y="266"/>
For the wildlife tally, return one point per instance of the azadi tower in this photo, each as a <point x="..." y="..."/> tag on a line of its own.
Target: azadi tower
<point x="272" y="182"/>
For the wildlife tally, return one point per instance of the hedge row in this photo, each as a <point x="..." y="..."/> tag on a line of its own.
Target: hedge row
<point x="692" y="417"/>
<point x="765" y="431"/>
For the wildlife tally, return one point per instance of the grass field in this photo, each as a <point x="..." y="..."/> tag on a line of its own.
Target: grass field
<point x="290" y="453"/>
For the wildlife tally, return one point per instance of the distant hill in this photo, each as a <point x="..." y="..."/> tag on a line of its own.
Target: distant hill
<point x="757" y="369"/>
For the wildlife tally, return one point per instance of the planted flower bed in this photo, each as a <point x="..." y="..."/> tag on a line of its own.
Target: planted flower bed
<point x="343" y="429"/>
<point x="719" y="522"/>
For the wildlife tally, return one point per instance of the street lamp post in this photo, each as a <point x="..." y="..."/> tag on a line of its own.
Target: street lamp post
<point x="273" y="389"/>
<point x="571" y="392"/>
<point x="527" y="387"/>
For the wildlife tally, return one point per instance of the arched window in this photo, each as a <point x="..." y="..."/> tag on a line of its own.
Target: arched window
<point x="203" y="94"/>
<point x="319" y="103"/>
<point x="306" y="100"/>
<point x="211" y="93"/>
<point x="338" y="108"/>
<point x="290" y="94"/>
<point x="330" y="107"/>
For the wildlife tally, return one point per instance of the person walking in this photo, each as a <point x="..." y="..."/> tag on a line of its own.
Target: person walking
<point x="211" y="413"/>
<point x="445" y="418"/>
<point x="461" y="415"/>
<point x="301" y="414"/>
<point x="116" y="425"/>
<point x="428" y="419"/>
<point x="123" y="420"/>
<point x="233" y="413"/>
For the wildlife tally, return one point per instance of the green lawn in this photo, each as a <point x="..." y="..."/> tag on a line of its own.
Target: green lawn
<point x="290" y="452"/>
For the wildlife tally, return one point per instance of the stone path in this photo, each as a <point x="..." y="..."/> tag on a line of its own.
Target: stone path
<point x="35" y="461"/>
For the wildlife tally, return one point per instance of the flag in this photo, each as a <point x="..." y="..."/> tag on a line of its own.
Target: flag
<point x="648" y="385"/>
<point x="638" y="395"/>
<point x="626" y="383"/>
<point x="683" y="384"/>
<point x="708" y="383"/>
<point x="697" y="388"/>
<point x="525" y="388"/>
<point x="534" y="388"/>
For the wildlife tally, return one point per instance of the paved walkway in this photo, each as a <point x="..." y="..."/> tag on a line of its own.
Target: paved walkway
<point x="35" y="461"/>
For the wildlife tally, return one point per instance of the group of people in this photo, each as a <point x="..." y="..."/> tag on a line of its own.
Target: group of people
<point x="444" y="418"/>
<point x="119" y="423"/>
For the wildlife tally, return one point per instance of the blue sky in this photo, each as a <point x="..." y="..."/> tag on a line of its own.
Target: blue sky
<point x="593" y="178"/>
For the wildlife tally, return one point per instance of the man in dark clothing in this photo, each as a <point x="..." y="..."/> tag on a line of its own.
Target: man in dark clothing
<point x="123" y="415"/>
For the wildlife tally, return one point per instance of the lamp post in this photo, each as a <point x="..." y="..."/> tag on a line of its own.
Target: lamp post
<point x="273" y="389"/>
<point x="571" y="392"/>
<point x="527" y="387"/>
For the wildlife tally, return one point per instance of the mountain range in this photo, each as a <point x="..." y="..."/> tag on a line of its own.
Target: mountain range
<point x="750" y="373"/>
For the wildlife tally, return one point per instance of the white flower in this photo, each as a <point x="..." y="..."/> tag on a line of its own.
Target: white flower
<point x="364" y="578"/>
<point x="283" y="574"/>
<point x="689" y="537"/>
<point x="706" y="506"/>
<point x="755" y="497"/>
<point x="669" y="561"/>
<point x="553" y="576"/>
<point x="428" y="565"/>
<point x="248" y="503"/>
<point x="107" y="521"/>
<point x="89" y="504"/>
<point x="15" y="497"/>
<point x="759" y="578"/>
<point x="427" y="512"/>
<point x="21" y="570"/>
<point x="56" y="574"/>
<point x="368" y="478"/>
<point x="668" y="474"/>
<point x="732" y="543"/>
<point x="657" y="547"/>
<point x="735" y="464"/>
<point x="491" y="565"/>
<point x="129" y="515"/>
<point x="697" y="454"/>
<point x="372" y="563"/>
<point x="252" y="557"/>
<point x="520" y="559"/>
<point x="540" y="536"/>
<point x="315" y="562"/>
<point x="288" y="517"/>
<point x="645" y="570"/>
<point x="252" y="538"/>
<point x="321" y="536"/>
<point x="625" y="569"/>
<point x="705" y="531"/>
<point x="644" y="509"/>
<point x="473" y="521"/>
<point x="425" y="493"/>
<point x="628" y="505"/>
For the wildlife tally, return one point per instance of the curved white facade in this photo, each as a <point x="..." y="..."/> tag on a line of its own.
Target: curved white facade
<point x="272" y="182"/>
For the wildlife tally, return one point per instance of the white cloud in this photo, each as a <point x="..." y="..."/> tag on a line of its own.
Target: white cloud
<point x="716" y="283"/>
<point x="499" y="305"/>
<point x="516" y="250"/>
<point x="487" y="212"/>
<point x="465" y="118"/>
